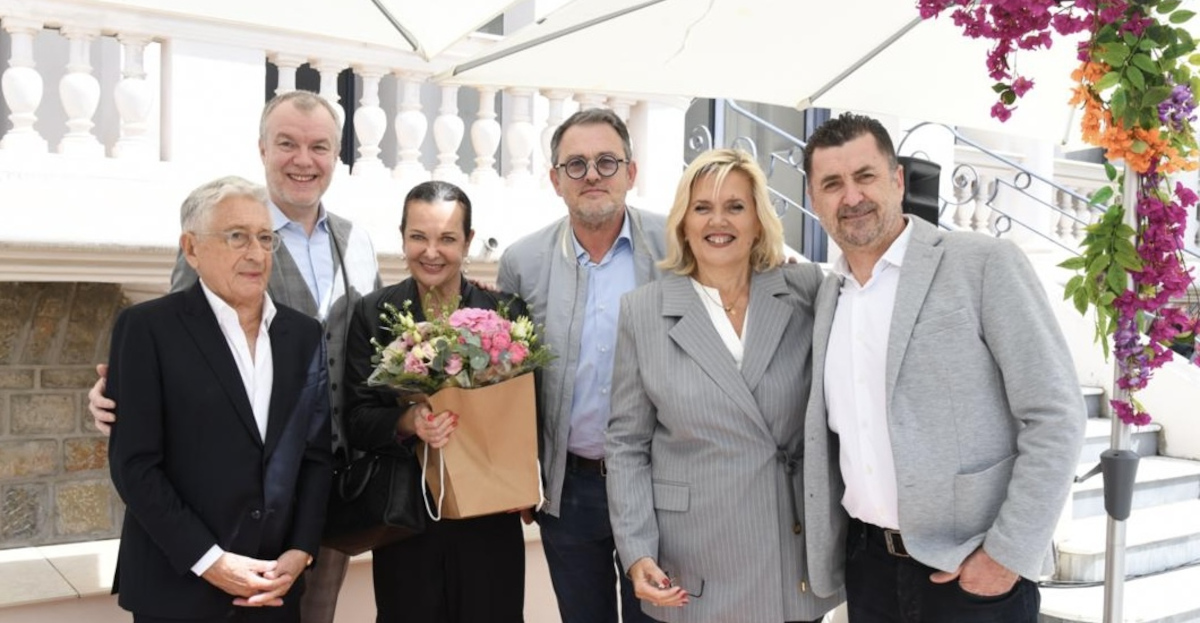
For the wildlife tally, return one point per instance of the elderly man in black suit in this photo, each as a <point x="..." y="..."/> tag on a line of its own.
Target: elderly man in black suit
<point x="222" y="449"/>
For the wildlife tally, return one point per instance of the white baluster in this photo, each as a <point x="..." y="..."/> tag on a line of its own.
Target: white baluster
<point x="22" y="88"/>
<point x="410" y="129"/>
<point x="134" y="100"/>
<point x="519" y="138"/>
<point x="621" y="106"/>
<point x="287" y="64"/>
<point x="1083" y="216"/>
<point x="1066" y="221"/>
<point x="982" y="219"/>
<point x="965" y="191"/>
<point x="554" y="117"/>
<point x="80" y="94"/>
<point x="370" y="123"/>
<point x="329" y="71"/>
<point x="448" y="135"/>
<point x="590" y="100"/>
<point x="485" y="138"/>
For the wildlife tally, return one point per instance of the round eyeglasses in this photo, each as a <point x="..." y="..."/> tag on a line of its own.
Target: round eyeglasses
<point x="238" y="240"/>
<point x="577" y="168"/>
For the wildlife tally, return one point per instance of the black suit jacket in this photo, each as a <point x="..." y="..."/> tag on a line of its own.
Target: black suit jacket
<point x="187" y="458"/>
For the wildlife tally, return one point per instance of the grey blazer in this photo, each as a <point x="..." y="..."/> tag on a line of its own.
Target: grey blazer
<point x="541" y="268"/>
<point x="702" y="457"/>
<point x="355" y="273"/>
<point x="984" y="411"/>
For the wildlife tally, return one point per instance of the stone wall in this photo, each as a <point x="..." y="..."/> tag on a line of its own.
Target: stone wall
<point x="54" y="484"/>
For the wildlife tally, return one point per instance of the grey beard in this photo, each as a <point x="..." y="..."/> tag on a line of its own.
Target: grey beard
<point x="596" y="220"/>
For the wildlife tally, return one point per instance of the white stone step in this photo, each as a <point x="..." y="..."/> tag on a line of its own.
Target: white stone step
<point x="1156" y="538"/>
<point x="1160" y="480"/>
<point x="1143" y="440"/>
<point x="1172" y="597"/>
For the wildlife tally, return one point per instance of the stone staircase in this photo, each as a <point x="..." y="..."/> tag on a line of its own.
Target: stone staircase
<point x="1162" y="540"/>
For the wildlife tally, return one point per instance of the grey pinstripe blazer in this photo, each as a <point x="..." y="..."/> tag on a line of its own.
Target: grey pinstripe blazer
<point x="541" y="269"/>
<point x="984" y="411"/>
<point x="697" y="450"/>
<point x="355" y="266"/>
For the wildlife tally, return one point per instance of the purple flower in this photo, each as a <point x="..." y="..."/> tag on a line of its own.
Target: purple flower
<point x="1021" y="85"/>
<point x="1178" y="111"/>
<point x="1001" y="112"/>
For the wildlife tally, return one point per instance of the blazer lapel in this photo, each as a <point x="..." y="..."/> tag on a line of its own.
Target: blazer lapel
<point x="916" y="275"/>
<point x="200" y="321"/>
<point x="695" y="334"/>
<point x="285" y="355"/>
<point x="645" y="266"/>
<point x="768" y="318"/>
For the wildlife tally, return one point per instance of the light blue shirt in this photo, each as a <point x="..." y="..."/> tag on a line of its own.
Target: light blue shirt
<point x="607" y="280"/>
<point x="313" y="254"/>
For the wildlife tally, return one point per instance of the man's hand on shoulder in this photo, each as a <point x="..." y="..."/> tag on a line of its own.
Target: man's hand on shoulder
<point x="99" y="405"/>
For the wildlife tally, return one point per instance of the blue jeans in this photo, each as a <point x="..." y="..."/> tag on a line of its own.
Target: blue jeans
<point x="581" y="555"/>
<point x="882" y="588"/>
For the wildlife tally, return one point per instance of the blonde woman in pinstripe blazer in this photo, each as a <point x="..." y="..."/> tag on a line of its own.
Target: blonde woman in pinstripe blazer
<point x="711" y="378"/>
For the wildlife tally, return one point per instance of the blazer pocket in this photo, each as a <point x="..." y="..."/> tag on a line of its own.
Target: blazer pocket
<point x="978" y="496"/>
<point x="671" y="496"/>
<point x="941" y="322"/>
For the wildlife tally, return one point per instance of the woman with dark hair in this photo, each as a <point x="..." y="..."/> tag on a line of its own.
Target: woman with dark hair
<point x="458" y="570"/>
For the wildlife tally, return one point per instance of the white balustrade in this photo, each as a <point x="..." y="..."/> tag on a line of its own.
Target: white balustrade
<point x="964" y="192"/>
<point x="410" y="129"/>
<point x="22" y="87"/>
<point x="80" y="94"/>
<point x="135" y="101"/>
<point x="1065" y="227"/>
<point x="287" y="64"/>
<point x="554" y="116"/>
<point x="621" y="106"/>
<point x="590" y="100"/>
<point x="370" y="123"/>
<point x="448" y="135"/>
<point x="983" y="217"/>
<point x="329" y="71"/>
<point x="519" y="137"/>
<point x="485" y="139"/>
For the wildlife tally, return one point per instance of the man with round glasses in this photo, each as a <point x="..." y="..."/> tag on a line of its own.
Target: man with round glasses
<point x="572" y="274"/>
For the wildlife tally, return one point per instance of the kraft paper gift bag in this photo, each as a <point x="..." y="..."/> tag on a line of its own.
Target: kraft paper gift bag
<point x="490" y="464"/>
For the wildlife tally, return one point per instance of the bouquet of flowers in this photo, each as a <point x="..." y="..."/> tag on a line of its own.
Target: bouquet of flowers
<point x="469" y="348"/>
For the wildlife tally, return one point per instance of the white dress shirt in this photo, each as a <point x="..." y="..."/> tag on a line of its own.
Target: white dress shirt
<point x="856" y="386"/>
<point x="721" y="321"/>
<point x="257" y="372"/>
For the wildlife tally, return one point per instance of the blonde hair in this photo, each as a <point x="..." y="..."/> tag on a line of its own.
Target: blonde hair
<point x="767" y="251"/>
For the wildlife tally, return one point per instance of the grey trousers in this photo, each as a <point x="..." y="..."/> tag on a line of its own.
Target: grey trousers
<point x="322" y="583"/>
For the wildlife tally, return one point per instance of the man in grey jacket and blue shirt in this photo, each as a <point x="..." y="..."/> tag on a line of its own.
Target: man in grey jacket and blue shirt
<point x="945" y="419"/>
<point x="572" y="275"/>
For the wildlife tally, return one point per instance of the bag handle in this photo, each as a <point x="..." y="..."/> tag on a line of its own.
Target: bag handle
<point x="425" y="483"/>
<point x="345" y="479"/>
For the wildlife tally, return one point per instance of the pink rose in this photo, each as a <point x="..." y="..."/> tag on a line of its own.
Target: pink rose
<point x="454" y="365"/>
<point x="414" y="365"/>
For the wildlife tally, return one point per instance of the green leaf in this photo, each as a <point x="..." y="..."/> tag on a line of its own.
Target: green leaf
<point x="1118" y="103"/>
<point x="1114" y="53"/>
<point x="1138" y="147"/>
<point x="1081" y="301"/>
<point x="1135" y="78"/>
<point x="1110" y="80"/>
<point x="1110" y="171"/>
<point x="1154" y="95"/>
<point x="1101" y="196"/>
<point x="1129" y="261"/>
<point x="1145" y="63"/>
<point x="1000" y="87"/>
<point x="1072" y="285"/>
<point x="1167" y="6"/>
<point x="1116" y="278"/>
<point x="1008" y="97"/>
<point x="1078" y="262"/>
<point x="1179" y="17"/>
<point x="1107" y="299"/>
<point x="1099" y="264"/>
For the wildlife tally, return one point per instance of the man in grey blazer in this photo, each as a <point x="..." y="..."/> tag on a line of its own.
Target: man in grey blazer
<point x="945" y="414"/>
<point x="572" y="275"/>
<point x="324" y="266"/>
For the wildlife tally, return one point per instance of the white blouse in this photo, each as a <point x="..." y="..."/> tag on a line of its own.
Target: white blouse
<point x="712" y="302"/>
